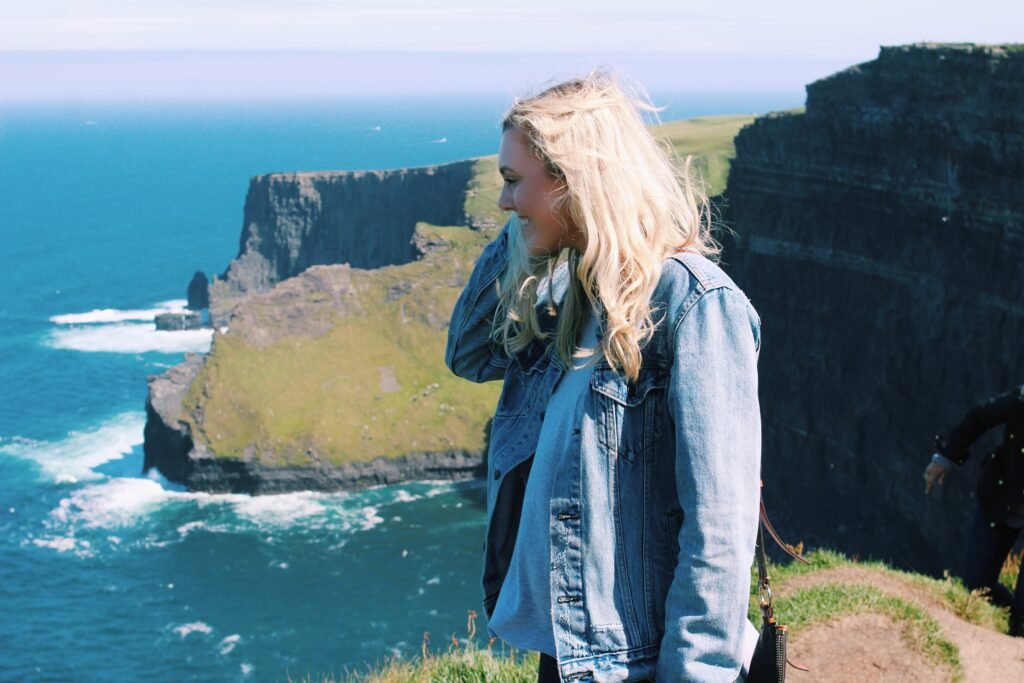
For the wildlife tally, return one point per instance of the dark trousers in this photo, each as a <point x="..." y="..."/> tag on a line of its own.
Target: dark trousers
<point x="987" y="549"/>
<point x="548" y="671"/>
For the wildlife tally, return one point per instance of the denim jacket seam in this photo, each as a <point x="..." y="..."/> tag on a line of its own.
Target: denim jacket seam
<point x="695" y="298"/>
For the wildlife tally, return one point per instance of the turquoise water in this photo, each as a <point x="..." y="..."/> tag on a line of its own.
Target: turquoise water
<point x="106" y="211"/>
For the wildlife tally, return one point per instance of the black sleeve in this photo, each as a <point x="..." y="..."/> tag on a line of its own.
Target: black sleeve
<point x="979" y="419"/>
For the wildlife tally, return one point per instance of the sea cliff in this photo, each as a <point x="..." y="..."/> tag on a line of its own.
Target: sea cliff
<point x="293" y="221"/>
<point x="880" y="235"/>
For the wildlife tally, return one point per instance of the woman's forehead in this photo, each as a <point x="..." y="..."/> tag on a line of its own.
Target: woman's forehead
<point x="513" y="155"/>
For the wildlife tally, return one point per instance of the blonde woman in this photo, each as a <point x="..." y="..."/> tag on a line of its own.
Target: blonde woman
<point x="624" y="459"/>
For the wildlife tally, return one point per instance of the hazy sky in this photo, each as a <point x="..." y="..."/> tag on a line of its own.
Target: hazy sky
<point x="316" y="46"/>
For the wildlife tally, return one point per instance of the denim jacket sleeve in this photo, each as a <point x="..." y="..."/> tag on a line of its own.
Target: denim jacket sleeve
<point x="713" y="403"/>
<point x="470" y="353"/>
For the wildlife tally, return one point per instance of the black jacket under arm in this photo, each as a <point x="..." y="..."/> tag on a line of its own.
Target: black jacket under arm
<point x="1001" y="486"/>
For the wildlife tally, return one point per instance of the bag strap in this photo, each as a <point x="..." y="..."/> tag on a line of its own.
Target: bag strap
<point x="764" y="580"/>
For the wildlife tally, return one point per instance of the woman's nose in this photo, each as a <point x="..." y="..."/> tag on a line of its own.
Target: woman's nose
<point x="505" y="200"/>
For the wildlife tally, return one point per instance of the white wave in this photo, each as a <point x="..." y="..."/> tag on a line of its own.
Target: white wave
<point x="370" y="518"/>
<point x="229" y="643"/>
<point x="280" y="509"/>
<point x="118" y="502"/>
<point x="403" y="496"/>
<point x="439" y="140"/>
<point x="195" y="627"/>
<point x="73" y="458"/>
<point x="246" y="668"/>
<point x="117" y="315"/>
<point x="130" y="338"/>
<point x="134" y="503"/>
<point x="439" y="488"/>
<point x="62" y="545"/>
<point x="307" y="509"/>
<point x="185" y="529"/>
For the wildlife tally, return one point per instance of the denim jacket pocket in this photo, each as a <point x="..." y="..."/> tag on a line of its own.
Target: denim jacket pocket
<point x="518" y="394"/>
<point x="609" y="382"/>
<point x="635" y="412"/>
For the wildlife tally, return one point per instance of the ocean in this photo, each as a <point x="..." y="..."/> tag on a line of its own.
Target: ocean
<point x="106" y="211"/>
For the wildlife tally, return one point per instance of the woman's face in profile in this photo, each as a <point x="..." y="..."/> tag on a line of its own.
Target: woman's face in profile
<point x="528" y="191"/>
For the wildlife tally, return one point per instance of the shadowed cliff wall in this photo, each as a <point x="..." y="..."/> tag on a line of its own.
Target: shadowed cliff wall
<point x="880" y="238"/>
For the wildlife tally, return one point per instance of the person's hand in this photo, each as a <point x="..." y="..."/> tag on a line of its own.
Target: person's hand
<point x="934" y="474"/>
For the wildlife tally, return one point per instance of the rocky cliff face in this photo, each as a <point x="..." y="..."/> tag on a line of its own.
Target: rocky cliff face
<point x="364" y="218"/>
<point x="880" y="239"/>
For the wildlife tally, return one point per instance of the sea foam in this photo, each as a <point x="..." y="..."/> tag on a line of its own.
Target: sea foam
<point x="130" y="338"/>
<point x="73" y="458"/>
<point x="116" y="315"/>
<point x="113" y="330"/>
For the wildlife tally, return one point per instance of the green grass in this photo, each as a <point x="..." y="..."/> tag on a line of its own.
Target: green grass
<point x="326" y="394"/>
<point x="710" y="140"/>
<point x="481" y="205"/>
<point x="1011" y="569"/>
<point x="467" y="664"/>
<point x="463" y="661"/>
<point x="949" y="590"/>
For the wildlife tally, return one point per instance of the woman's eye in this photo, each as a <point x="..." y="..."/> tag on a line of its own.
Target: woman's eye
<point x="511" y="181"/>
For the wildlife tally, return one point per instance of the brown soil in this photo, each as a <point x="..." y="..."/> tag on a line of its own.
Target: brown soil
<point x="877" y="647"/>
<point x="861" y="647"/>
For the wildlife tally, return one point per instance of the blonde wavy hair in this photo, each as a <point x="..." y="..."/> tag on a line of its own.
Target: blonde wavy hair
<point x="636" y="201"/>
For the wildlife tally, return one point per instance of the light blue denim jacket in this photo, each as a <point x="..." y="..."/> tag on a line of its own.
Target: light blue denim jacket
<point x="654" y="509"/>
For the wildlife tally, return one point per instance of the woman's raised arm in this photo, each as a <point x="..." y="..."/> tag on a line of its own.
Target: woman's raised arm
<point x="470" y="353"/>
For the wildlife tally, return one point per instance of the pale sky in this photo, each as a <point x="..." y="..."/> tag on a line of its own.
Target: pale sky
<point x="309" y="46"/>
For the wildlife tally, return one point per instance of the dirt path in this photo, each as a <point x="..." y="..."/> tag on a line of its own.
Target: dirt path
<point x="859" y="647"/>
<point x="873" y="640"/>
